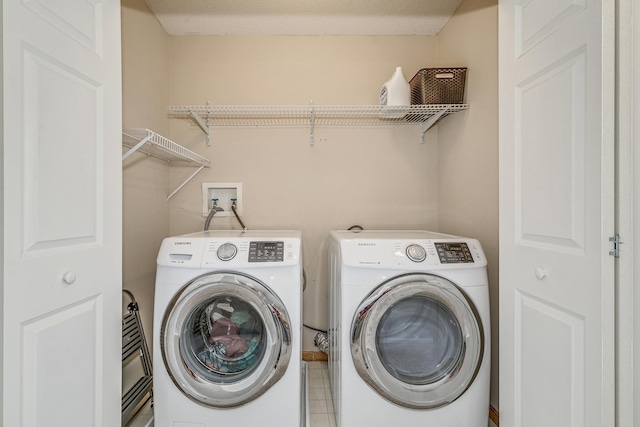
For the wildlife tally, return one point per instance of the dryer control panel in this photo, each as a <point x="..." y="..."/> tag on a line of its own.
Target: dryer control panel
<point x="413" y="254"/>
<point x="453" y="252"/>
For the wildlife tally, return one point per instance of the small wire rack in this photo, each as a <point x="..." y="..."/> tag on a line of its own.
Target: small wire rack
<point x="152" y="144"/>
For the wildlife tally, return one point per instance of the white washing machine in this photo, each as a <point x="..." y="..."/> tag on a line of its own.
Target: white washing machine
<point x="409" y="329"/>
<point x="227" y="330"/>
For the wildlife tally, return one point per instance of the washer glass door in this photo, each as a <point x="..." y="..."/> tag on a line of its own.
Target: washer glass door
<point x="418" y="341"/>
<point x="225" y="339"/>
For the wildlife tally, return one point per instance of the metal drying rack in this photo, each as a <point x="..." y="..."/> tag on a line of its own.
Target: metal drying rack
<point x="135" y="344"/>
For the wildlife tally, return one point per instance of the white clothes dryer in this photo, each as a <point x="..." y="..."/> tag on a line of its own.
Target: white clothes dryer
<point x="227" y="330"/>
<point x="409" y="329"/>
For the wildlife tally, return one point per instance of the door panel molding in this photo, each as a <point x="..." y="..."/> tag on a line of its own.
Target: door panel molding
<point x="540" y="324"/>
<point x="80" y="364"/>
<point x="557" y="180"/>
<point x="82" y="23"/>
<point x="537" y="20"/>
<point x="62" y="142"/>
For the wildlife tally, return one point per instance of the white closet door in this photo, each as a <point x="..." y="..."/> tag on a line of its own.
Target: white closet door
<point x="61" y="115"/>
<point x="556" y="213"/>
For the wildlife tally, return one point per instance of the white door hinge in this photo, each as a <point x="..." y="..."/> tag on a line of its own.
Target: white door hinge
<point x="616" y="246"/>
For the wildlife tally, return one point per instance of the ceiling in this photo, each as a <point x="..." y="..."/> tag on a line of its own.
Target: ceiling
<point x="303" y="17"/>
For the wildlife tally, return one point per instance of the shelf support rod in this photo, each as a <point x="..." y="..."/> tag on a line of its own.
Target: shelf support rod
<point x="202" y="124"/>
<point x="428" y="124"/>
<point x="186" y="182"/>
<point x="312" y="123"/>
<point x="135" y="147"/>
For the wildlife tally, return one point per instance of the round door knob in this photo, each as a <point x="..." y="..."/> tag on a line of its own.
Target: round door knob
<point x="69" y="277"/>
<point x="416" y="253"/>
<point x="541" y="273"/>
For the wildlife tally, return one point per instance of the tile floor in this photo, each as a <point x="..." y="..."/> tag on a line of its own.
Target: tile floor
<point x="144" y="418"/>
<point x="320" y="411"/>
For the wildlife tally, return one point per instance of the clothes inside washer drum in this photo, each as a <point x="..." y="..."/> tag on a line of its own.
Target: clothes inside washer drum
<point x="231" y="347"/>
<point x="215" y="357"/>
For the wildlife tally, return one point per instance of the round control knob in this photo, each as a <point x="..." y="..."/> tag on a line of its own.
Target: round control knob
<point x="416" y="253"/>
<point x="227" y="251"/>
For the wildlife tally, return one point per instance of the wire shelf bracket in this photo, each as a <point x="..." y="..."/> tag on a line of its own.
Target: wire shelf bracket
<point x="196" y="114"/>
<point x="312" y="124"/>
<point x="204" y="125"/>
<point x="152" y="144"/>
<point x="430" y="122"/>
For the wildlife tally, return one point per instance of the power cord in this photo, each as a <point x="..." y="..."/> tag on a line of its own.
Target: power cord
<point x="314" y="329"/>
<point x="235" y="212"/>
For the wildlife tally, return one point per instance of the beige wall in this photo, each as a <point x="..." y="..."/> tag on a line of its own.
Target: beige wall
<point x="145" y="57"/>
<point x="377" y="178"/>
<point x="468" y="143"/>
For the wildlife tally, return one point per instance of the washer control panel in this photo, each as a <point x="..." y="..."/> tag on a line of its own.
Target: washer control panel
<point x="266" y="251"/>
<point x="242" y="249"/>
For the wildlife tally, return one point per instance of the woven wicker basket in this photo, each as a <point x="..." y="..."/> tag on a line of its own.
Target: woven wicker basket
<point x="438" y="86"/>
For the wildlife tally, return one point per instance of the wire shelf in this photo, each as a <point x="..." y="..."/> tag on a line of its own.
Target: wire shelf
<point x="158" y="146"/>
<point x="328" y="115"/>
<point x="205" y="116"/>
<point x="152" y="144"/>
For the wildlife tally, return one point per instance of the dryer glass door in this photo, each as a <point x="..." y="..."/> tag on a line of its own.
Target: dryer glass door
<point x="418" y="341"/>
<point x="225" y="339"/>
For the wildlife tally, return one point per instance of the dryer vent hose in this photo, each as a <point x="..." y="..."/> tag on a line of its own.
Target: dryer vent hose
<point x="321" y="340"/>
